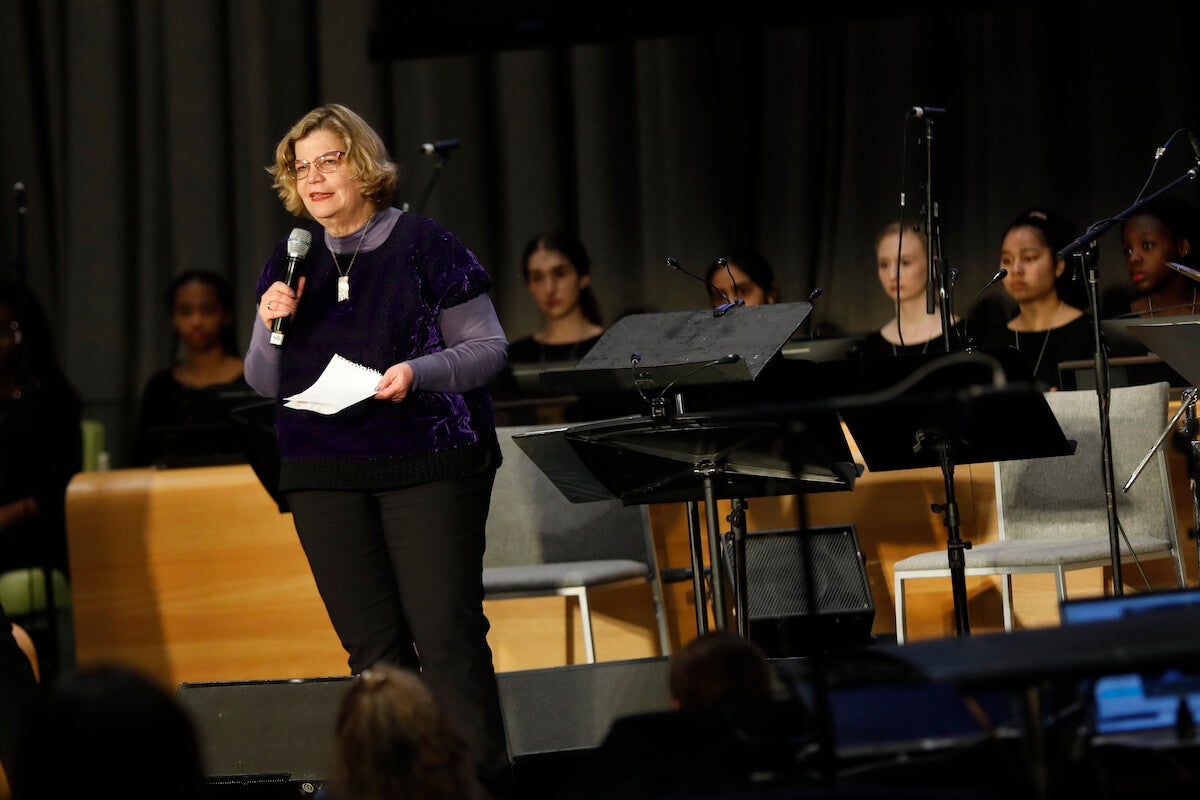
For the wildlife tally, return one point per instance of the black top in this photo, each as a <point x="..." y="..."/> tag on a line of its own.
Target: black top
<point x="1044" y="350"/>
<point x="42" y="448"/>
<point x="873" y="345"/>
<point x="529" y="351"/>
<point x="181" y="425"/>
<point x="528" y="354"/>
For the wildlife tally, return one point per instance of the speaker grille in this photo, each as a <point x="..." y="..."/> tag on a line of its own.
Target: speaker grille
<point x="265" y="731"/>
<point x="804" y="588"/>
<point x="561" y="708"/>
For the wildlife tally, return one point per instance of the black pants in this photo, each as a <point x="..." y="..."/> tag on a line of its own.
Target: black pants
<point x="400" y="573"/>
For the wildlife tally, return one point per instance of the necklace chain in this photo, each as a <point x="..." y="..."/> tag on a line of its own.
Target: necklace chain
<point x="1017" y="337"/>
<point x="343" y="283"/>
<point x="925" y="349"/>
<point x="1150" y="302"/>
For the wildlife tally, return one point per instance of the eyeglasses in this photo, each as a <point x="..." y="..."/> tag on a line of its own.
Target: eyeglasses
<point x="325" y="163"/>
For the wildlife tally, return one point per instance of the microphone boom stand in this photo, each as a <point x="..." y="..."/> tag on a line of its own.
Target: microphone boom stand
<point x="938" y="295"/>
<point x="439" y="166"/>
<point x="1076" y="250"/>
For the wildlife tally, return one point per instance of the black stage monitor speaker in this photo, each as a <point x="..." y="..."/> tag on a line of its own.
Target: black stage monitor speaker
<point x="572" y="707"/>
<point x="556" y="717"/>
<point x="806" y="590"/>
<point x="273" y="737"/>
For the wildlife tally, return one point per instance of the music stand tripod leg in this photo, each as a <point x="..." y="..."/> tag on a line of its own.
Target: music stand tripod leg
<point x="714" y="543"/>
<point x="1186" y="442"/>
<point x="1194" y="481"/>
<point x="737" y="531"/>
<point x="697" y="554"/>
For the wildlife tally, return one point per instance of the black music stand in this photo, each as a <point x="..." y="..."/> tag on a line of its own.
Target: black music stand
<point x="671" y="455"/>
<point x="1176" y="340"/>
<point x="678" y="349"/>
<point x="956" y="415"/>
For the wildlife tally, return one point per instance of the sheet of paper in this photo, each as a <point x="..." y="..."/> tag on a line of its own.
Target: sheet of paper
<point x="342" y="384"/>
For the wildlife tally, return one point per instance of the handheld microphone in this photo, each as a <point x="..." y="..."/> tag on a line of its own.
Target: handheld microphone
<point x="438" y="148"/>
<point x="298" y="242"/>
<point x="1000" y="275"/>
<point x="921" y="111"/>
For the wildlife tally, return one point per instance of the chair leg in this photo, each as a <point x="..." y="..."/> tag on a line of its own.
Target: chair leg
<point x="585" y="619"/>
<point x="1006" y="600"/>
<point x="660" y="616"/>
<point x="1060" y="582"/>
<point x="900" y="632"/>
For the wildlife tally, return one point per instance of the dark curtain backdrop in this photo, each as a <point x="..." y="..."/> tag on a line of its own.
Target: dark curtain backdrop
<point x="141" y="129"/>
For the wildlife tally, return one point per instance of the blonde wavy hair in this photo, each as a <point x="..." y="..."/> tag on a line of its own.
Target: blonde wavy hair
<point x="376" y="173"/>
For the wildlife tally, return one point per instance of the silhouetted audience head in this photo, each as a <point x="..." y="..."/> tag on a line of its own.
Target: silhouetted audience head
<point x="394" y="740"/>
<point x="109" y="729"/>
<point x="719" y="668"/>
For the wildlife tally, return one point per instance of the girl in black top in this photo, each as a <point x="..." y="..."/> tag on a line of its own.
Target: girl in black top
<point x="1051" y="325"/>
<point x="902" y="260"/>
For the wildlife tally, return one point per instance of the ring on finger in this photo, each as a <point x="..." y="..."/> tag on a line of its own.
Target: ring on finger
<point x="268" y="305"/>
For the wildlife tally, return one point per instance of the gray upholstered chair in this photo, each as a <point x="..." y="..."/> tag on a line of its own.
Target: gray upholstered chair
<point x="1052" y="513"/>
<point x="541" y="544"/>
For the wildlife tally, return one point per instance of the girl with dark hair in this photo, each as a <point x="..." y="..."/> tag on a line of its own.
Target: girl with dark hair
<point x="40" y="438"/>
<point x="557" y="270"/>
<point x="745" y="275"/>
<point x="1161" y="232"/>
<point x="1049" y="326"/>
<point x="184" y="412"/>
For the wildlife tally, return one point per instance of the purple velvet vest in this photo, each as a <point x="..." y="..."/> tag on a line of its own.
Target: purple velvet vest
<point x="397" y="292"/>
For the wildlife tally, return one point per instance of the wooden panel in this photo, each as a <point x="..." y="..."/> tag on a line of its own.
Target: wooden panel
<point x="193" y="574"/>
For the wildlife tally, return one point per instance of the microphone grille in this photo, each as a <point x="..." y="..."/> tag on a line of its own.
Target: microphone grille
<point x="298" y="242"/>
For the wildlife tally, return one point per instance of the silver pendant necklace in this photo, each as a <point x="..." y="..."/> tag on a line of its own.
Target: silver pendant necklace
<point x="343" y="282"/>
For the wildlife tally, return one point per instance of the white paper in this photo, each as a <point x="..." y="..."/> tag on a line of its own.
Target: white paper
<point x="342" y="384"/>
